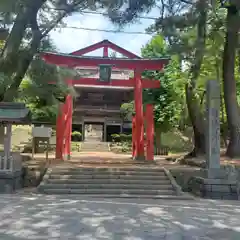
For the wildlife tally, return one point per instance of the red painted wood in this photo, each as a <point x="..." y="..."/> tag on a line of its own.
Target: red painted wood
<point x="60" y="132"/>
<point x="121" y="50"/>
<point x="105" y="52"/>
<point x="67" y="127"/>
<point x="146" y="83"/>
<point x="134" y="153"/>
<point x="139" y="115"/>
<point x="58" y="153"/>
<point x="65" y="109"/>
<point x="70" y="125"/>
<point x="150" y="132"/>
<point x="74" y="61"/>
<point x="102" y="44"/>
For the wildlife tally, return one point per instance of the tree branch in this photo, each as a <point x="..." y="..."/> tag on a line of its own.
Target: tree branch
<point x="187" y="2"/>
<point x="66" y="10"/>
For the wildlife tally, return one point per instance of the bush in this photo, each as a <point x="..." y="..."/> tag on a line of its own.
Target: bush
<point x="125" y="137"/>
<point x="115" y="137"/>
<point x="76" y="136"/>
<point x="121" y="137"/>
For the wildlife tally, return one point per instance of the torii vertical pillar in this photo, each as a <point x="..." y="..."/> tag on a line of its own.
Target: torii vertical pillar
<point x="59" y="132"/>
<point x="134" y="136"/>
<point x="150" y="132"/>
<point x="68" y="126"/>
<point x="105" y="51"/>
<point x="64" y="129"/>
<point x="139" y="116"/>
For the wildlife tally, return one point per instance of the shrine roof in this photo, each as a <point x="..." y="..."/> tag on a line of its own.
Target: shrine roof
<point x="14" y="113"/>
<point x="69" y="60"/>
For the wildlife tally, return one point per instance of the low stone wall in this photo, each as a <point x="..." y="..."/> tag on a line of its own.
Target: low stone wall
<point x="214" y="188"/>
<point x="192" y="180"/>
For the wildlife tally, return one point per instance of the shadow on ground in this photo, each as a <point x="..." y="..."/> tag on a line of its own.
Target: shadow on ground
<point x="56" y="217"/>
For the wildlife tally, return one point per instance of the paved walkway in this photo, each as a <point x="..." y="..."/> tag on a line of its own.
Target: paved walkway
<point x="54" y="217"/>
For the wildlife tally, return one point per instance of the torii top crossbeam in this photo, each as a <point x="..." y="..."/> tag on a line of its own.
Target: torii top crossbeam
<point x="76" y="59"/>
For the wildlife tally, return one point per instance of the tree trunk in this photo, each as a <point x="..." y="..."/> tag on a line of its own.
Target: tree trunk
<point x="197" y="122"/>
<point x="10" y="62"/>
<point x="25" y="61"/>
<point x="229" y="83"/>
<point x="193" y="104"/>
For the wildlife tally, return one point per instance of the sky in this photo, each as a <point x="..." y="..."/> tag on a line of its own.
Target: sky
<point x="69" y="40"/>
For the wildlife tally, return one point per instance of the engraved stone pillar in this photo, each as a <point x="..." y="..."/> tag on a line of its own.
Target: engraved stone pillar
<point x="216" y="182"/>
<point x="213" y="128"/>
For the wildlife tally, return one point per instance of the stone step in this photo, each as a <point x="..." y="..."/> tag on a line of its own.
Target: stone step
<point x="112" y="163"/>
<point x="108" y="181"/>
<point x="119" y="174"/>
<point x="106" y="186"/>
<point x="100" y="191"/>
<point x="124" y="171"/>
<point x="107" y="176"/>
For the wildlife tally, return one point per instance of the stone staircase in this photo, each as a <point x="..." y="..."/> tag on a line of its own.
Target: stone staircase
<point x="111" y="181"/>
<point x="94" y="146"/>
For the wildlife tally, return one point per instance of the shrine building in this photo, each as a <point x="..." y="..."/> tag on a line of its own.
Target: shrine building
<point x="100" y="105"/>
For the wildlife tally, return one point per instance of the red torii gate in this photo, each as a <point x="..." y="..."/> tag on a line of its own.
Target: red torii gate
<point x="133" y="62"/>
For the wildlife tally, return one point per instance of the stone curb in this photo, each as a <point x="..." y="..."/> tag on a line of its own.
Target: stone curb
<point x="176" y="187"/>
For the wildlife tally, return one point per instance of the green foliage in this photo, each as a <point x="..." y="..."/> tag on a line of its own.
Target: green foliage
<point x="43" y="88"/>
<point x="168" y="99"/>
<point x="127" y="110"/>
<point x="121" y="137"/>
<point x="45" y="114"/>
<point x="76" y="134"/>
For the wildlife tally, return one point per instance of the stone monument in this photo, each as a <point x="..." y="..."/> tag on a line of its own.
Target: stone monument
<point x="213" y="129"/>
<point x="215" y="182"/>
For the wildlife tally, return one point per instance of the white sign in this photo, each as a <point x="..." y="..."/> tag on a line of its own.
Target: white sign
<point x="44" y="132"/>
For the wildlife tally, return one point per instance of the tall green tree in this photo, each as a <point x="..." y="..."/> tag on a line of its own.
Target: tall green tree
<point x="168" y="99"/>
<point x="32" y="22"/>
<point x="43" y="87"/>
<point x="229" y="77"/>
<point x="187" y="25"/>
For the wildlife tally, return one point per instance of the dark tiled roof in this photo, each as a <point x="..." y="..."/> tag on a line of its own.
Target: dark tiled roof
<point x="14" y="113"/>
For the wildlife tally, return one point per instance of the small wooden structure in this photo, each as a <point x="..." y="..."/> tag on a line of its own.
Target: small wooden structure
<point x="11" y="163"/>
<point x="42" y="134"/>
<point x="10" y="113"/>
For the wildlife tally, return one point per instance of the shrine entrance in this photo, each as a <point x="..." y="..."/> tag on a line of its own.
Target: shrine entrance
<point x="105" y="75"/>
<point x="93" y="132"/>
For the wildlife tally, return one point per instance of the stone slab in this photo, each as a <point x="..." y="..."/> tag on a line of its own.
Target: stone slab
<point x="212" y="181"/>
<point x="10" y="181"/>
<point x="215" y="188"/>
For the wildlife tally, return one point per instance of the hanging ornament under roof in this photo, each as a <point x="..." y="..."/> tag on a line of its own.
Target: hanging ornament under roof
<point x="105" y="72"/>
